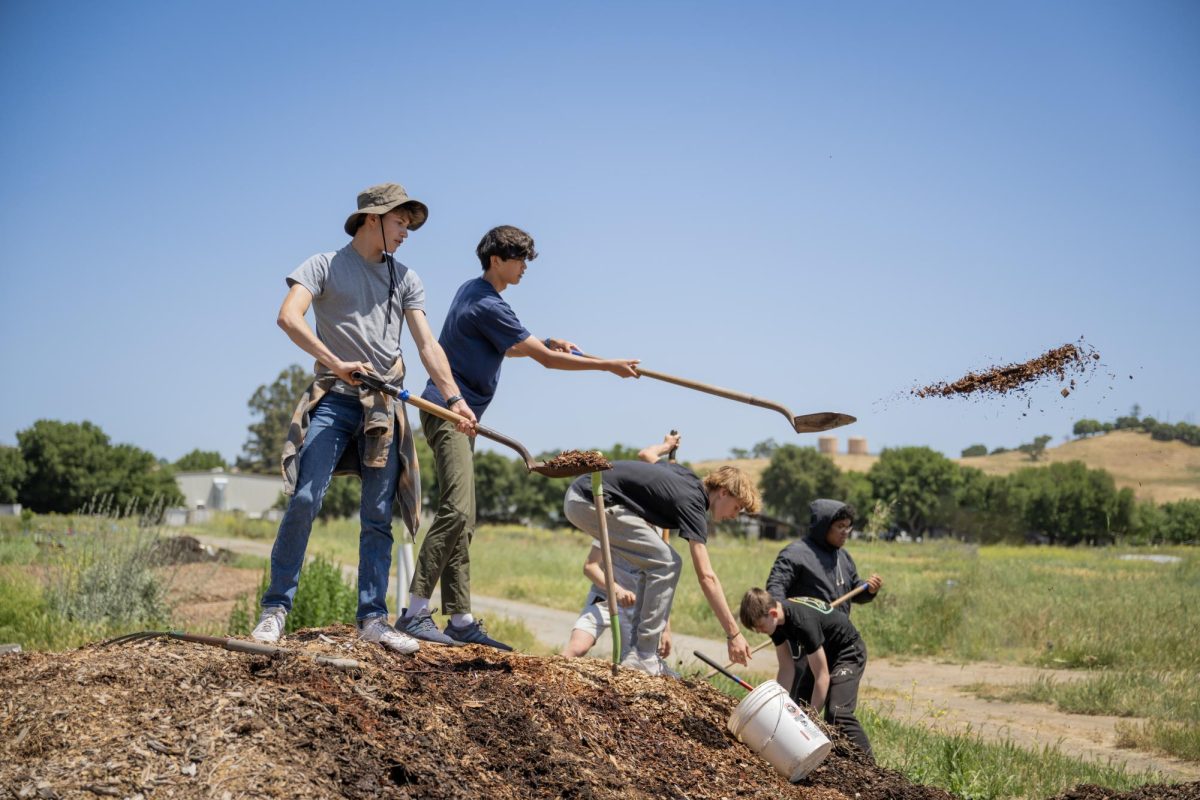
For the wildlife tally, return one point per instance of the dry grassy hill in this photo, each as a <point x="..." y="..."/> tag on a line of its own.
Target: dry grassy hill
<point x="1159" y="471"/>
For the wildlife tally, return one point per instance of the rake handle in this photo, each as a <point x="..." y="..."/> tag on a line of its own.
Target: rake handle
<point x="722" y="670"/>
<point x="610" y="582"/>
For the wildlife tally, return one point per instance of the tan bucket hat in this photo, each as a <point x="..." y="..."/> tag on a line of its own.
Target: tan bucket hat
<point x="382" y="199"/>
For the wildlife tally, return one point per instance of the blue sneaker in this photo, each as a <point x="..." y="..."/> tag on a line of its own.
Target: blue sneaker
<point x="424" y="628"/>
<point x="473" y="633"/>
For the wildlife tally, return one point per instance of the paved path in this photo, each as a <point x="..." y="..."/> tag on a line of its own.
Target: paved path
<point x="917" y="691"/>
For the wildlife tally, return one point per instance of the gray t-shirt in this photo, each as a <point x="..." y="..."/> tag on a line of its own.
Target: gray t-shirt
<point x="350" y="304"/>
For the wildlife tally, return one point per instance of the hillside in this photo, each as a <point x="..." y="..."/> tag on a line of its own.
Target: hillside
<point x="1159" y="471"/>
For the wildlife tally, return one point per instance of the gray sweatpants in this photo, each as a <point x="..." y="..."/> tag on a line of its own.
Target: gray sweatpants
<point x="641" y="547"/>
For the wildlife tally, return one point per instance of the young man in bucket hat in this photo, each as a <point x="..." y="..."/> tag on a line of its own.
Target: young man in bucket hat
<point x="479" y="332"/>
<point x="360" y="298"/>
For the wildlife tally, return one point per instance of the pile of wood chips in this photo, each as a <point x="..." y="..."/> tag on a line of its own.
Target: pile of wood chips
<point x="174" y="719"/>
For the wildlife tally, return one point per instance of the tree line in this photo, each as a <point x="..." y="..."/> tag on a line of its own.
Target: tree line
<point x="924" y="493"/>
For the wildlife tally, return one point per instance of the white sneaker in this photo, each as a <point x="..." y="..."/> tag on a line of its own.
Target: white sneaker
<point x="270" y="625"/>
<point x="377" y="629"/>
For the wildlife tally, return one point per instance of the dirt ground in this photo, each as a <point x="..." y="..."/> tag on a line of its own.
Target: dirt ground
<point x="204" y="594"/>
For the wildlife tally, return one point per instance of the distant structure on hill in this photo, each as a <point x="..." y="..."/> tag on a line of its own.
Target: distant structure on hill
<point x="855" y="445"/>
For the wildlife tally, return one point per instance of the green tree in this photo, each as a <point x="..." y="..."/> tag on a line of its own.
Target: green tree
<point x="764" y="449"/>
<point x="979" y="510"/>
<point x="272" y="405"/>
<point x="12" y="474"/>
<point x="920" y="482"/>
<point x="1087" y="427"/>
<point x="795" y="477"/>
<point x="69" y="464"/>
<point x="199" y="460"/>
<point x="1182" y="522"/>
<point x="974" y="451"/>
<point x="1037" y="448"/>
<point x="1070" y="503"/>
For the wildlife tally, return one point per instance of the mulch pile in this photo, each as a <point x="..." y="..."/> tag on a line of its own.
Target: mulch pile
<point x="175" y="719"/>
<point x="169" y="718"/>
<point x="1061" y="362"/>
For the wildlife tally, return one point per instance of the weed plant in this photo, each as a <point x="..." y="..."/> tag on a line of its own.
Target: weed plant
<point x="322" y="598"/>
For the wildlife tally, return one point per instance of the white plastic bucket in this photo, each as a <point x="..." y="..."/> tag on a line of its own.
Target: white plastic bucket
<point x="771" y="725"/>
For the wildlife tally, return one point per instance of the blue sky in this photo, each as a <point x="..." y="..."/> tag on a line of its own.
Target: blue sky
<point x="821" y="204"/>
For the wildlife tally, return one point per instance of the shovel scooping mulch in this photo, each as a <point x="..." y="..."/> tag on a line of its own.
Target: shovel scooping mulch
<point x="1060" y="362"/>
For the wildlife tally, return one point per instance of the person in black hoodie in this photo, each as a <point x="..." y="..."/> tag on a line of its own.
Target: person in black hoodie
<point x="818" y="565"/>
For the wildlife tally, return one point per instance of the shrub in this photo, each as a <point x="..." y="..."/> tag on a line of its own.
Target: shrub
<point x="322" y="598"/>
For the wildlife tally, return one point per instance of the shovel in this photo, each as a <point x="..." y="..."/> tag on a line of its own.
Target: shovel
<point x="569" y="464"/>
<point x="236" y="645"/>
<point x="610" y="583"/>
<point x="806" y="423"/>
<point x="820" y="605"/>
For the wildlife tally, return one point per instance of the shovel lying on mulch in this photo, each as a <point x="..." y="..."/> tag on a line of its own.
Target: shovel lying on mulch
<point x="567" y="464"/>
<point x="805" y="423"/>
<point x="236" y="645"/>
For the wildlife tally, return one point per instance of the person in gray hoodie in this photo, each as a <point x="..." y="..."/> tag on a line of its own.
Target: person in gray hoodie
<point x="818" y="565"/>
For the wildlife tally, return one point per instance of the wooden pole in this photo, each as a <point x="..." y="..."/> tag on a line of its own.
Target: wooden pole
<point x="610" y="582"/>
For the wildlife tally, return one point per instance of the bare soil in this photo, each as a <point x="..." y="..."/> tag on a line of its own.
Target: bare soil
<point x="999" y="380"/>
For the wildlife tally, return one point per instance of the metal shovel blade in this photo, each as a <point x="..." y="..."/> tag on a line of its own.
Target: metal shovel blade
<point x="570" y="463"/>
<point x="821" y="421"/>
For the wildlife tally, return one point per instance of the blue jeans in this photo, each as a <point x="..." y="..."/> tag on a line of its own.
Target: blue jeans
<point x="333" y="423"/>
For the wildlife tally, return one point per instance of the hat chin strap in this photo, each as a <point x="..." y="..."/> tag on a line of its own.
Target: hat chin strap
<point x="391" y="276"/>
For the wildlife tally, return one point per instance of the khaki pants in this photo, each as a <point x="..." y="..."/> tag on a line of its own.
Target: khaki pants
<point x="445" y="553"/>
<point x="638" y="544"/>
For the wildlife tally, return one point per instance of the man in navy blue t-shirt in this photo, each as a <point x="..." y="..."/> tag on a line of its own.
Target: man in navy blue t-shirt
<point x="480" y="330"/>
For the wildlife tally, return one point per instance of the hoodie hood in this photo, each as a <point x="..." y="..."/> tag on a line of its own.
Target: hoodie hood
<point x="820" y="518"/>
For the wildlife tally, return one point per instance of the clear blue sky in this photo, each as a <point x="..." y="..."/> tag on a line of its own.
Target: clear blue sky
<point x="822" y="204"/>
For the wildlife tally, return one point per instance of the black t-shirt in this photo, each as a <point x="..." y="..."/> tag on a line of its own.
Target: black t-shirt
<point x="666" y="495"/>
<point x="809" y="627"/>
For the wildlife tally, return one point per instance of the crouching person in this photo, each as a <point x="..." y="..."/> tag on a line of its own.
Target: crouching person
<point x="832" y="647"/>
<point x="639" y="496"/>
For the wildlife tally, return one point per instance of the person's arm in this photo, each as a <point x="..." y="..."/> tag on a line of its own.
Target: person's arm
<point x="654" y="452"/>
<point x="438" y="366"/>
<point x="291" y="319"/>
<point x="664" y="642"/>
<point x="780" y="579"/>
<point x="820" y="671"/>
<point x="558" y="359"/>
<point x="593" y="570"/>
<point x="710" y="584"/>
<point x="787" y="667"/>
<point x="873" y="583"/>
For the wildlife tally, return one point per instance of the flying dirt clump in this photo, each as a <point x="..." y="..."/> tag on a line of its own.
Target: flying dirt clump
<point x="1069" y="359"/>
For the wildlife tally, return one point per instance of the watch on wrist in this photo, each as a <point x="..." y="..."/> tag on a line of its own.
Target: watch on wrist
<point x="452" y="400"/>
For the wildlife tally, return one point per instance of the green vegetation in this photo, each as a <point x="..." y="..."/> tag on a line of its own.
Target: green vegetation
<point x="322" y="598"/>
<point x="1170" y="702"/>
<point x="74" y="579"/>
<point x="1162" y="431"/>
<point x="968" y="766"/>
<point x="64" y="466"/>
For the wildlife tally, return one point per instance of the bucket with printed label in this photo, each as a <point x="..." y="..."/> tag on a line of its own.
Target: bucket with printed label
<point x="770" y="724"/>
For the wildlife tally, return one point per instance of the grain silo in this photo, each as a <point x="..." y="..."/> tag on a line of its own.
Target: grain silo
<point x="827" y="445"/>
<point x="857" y="446"/>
